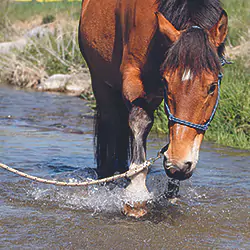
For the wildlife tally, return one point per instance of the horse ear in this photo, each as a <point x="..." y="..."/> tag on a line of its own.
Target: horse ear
<point x="220" y="29"/>
<point x="166" y="28"/>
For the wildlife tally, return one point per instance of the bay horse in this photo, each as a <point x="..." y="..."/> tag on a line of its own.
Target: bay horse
<point x="136" y="51"/>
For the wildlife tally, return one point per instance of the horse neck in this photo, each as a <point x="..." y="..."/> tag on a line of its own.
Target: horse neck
<point x="158" y="49"/>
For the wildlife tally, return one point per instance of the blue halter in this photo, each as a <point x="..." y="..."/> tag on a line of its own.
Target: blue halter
<point x="203" y="127"/>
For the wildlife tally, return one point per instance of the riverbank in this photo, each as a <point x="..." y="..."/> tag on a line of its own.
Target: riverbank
<point x="44" y="55"/>
<point x="39" y="50"/>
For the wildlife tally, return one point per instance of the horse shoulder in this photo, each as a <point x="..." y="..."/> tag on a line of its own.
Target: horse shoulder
<point x="139" y="25"/>
<point x="138" y="28"/>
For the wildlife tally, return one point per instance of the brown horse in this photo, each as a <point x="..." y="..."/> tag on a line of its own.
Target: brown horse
<point x="136" y="48"/>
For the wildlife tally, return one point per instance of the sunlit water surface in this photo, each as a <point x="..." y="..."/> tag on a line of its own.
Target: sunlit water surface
<point x="51" y="135"/>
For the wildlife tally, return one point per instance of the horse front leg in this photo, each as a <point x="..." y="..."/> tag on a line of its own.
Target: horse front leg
<point x="140" y="122"/>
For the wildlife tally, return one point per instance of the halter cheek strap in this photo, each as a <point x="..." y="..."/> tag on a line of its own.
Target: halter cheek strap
<point x="204" y="126"/>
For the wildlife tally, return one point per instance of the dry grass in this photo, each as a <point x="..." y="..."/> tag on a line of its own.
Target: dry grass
<point x="20" y="71"/>
<point x="55" y="52"/>
<point x="242" y="50"/>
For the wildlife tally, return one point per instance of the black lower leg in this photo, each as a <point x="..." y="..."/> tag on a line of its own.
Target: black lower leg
<point x="105" y="143"/>
<point x="140" y="122"/>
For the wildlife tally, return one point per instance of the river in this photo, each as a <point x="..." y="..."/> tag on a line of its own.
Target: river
<point x="51" y="135"/>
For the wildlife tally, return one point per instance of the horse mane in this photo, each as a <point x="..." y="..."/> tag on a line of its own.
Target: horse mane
<point x="183" y="13"/>
<point x="193" y="50"/>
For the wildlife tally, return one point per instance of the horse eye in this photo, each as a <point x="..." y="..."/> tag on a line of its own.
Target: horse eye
<point x="212" y="88"/>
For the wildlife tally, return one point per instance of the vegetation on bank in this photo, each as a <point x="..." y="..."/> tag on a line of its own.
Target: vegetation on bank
<point x="27" y="10"/>
<point x="231" y="126"/>
<point x="13" y="13"/>
<point x="239" y="20"/>
<point x="58" y="52"/>
<point x="52" y="50"/>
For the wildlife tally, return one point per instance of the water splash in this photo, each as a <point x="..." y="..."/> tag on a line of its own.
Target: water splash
<point x="109" y="198"/>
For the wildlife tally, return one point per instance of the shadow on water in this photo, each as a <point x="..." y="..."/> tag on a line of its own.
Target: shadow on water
<point x="50" y="135"/>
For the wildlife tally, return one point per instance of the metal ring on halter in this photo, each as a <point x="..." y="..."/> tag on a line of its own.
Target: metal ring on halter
<point x="196" y="27"/>
<point x="224" y="61"/>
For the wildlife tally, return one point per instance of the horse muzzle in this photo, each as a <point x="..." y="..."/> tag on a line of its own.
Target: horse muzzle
<point x="180" y="173"/>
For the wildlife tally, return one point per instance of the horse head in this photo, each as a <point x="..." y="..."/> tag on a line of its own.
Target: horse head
<point x="191" y="75"/>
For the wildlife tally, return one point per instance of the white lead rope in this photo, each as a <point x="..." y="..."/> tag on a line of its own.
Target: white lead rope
<point x="129" y="173"/>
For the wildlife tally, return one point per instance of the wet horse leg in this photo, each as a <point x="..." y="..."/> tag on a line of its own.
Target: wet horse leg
<point x="111" y="140"/>
<point x="140" y="122"/>
<point x="123" y="137"/>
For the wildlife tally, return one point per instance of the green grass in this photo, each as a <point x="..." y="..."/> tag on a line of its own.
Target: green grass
<point x="27" y="10"/>
<point x="239" y="20"/>
<point x="10" y="12"/>
<point x="4" y="22"/>
<point x="231" y="125"/>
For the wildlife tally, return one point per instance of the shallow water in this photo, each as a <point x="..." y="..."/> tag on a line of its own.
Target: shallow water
<point x="50" y="135"/>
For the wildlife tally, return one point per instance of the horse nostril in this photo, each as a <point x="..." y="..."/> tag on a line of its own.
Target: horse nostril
<point x="173" y="169"/>
<point x="187" y="166"/>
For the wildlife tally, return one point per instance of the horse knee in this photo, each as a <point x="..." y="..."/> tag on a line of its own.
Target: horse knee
<point x="140" y="121"/>
<point x="132" y="87"/>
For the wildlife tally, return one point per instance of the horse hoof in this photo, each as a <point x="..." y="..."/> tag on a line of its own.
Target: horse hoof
<point x="136" y="210"/>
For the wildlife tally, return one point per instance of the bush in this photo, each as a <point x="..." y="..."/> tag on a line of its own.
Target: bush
<point x="48" y="19"/>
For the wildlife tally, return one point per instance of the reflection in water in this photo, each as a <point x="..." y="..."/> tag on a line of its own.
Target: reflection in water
<point x="50" y="135"/>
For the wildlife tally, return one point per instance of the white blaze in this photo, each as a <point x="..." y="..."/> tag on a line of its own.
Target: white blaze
<point x="187" y="75"/>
